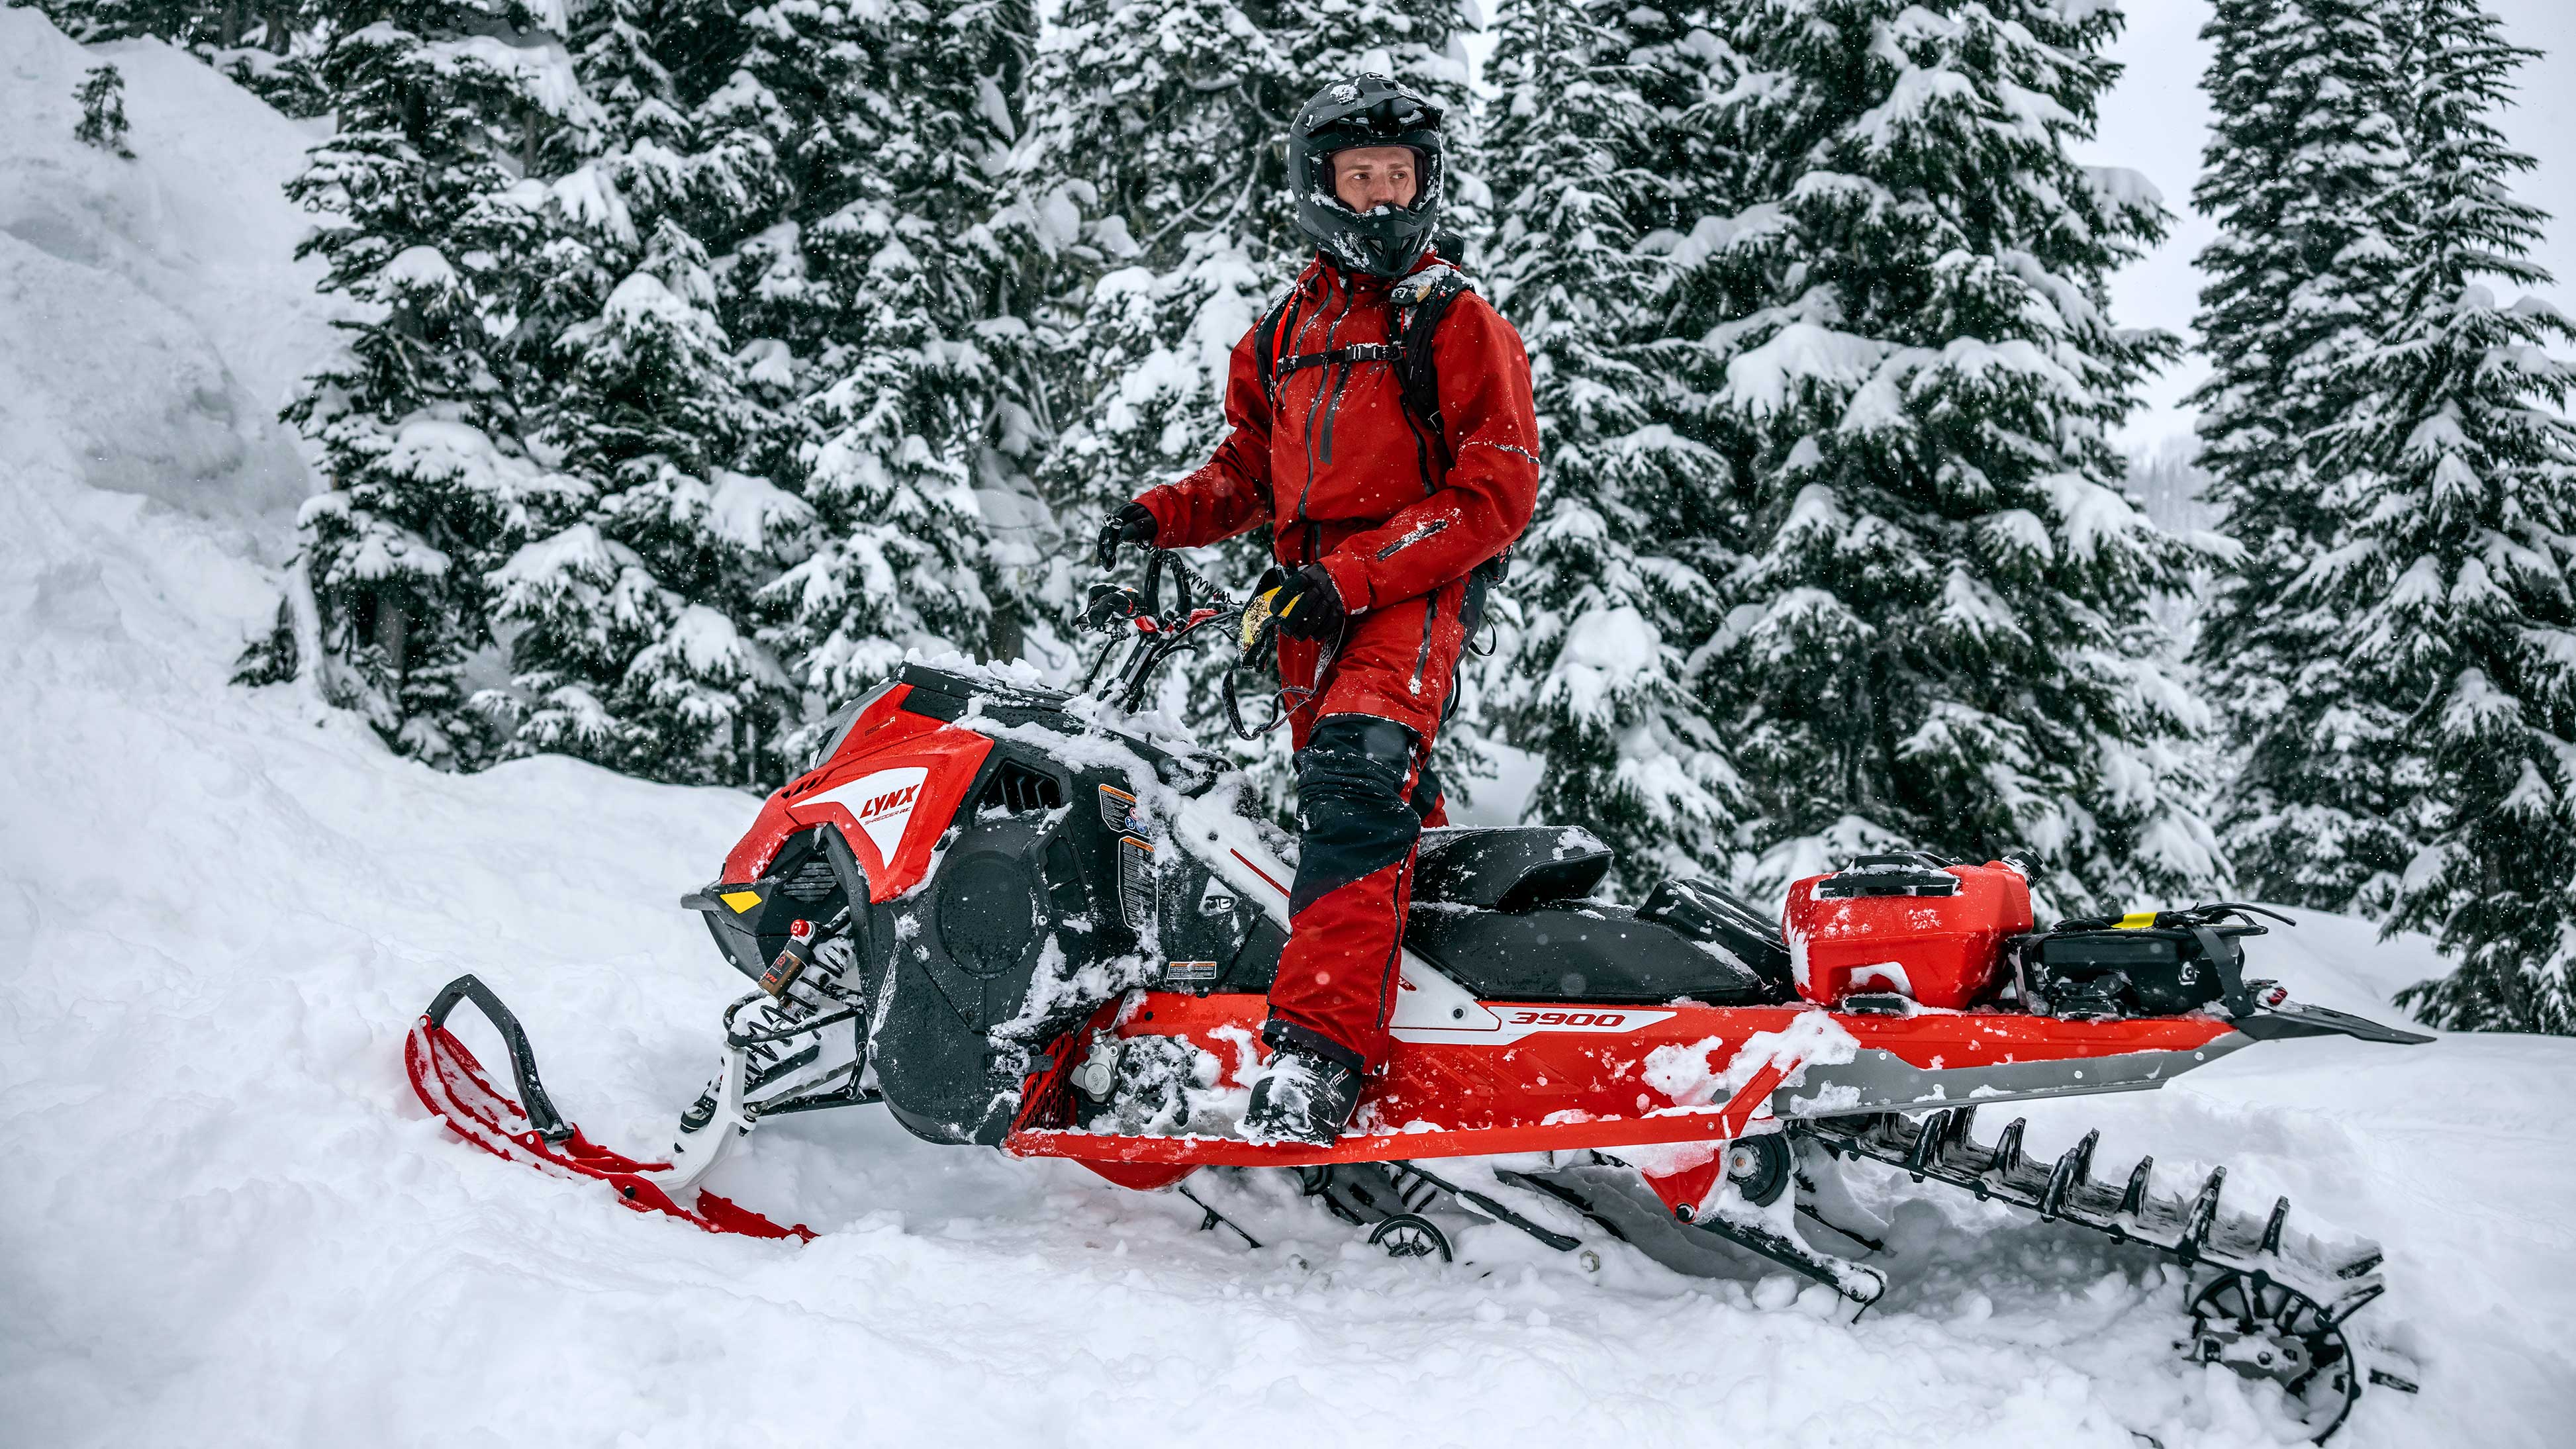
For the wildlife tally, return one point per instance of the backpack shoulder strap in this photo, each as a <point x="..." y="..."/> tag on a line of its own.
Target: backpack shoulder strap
<point x="1421" y="300"/>
<point x="1272" y="333"/>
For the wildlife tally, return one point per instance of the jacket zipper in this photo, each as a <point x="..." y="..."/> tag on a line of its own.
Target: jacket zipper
<point x="1422" y="657"/>
<point x="1331" y="329"/>
<point x="1420" y="532"/>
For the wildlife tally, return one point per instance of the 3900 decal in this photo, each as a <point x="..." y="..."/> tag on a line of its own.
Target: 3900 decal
<point x="1610" y="1019"/>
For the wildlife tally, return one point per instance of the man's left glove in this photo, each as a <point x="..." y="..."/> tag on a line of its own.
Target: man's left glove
<point x="1131" y="524"/>
<point x="1309" y="607"/>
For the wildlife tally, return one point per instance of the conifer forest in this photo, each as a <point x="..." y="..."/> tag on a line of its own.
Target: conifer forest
<point x="699" y="361"/>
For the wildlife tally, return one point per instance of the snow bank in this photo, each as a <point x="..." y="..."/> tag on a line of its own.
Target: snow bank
<point x="154" y="314"/>
<point x="226" y="1222"/>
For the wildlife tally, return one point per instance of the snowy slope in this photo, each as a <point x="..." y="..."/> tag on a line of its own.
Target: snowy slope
<point x="225" y="1221"/>
<point x="157" y="318"/>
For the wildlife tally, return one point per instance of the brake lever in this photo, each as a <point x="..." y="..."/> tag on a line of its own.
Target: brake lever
<point x="1111" y="606"/>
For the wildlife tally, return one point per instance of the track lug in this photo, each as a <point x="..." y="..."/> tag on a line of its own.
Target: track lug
<point x="2351" y="1303"/>
<point x="2069" y="1174"/>
<point x="2134" y="1200"/>
<point x="2008" y="1148"/>
<point x="2204" y="1215"/>
<point x="1927" y="1144"/>
<point x="1963" y="1120"/>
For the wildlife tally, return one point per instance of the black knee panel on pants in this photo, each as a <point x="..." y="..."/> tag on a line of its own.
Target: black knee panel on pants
<point x="1353" y="815"/>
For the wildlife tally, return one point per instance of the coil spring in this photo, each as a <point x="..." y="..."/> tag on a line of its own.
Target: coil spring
<point x="1417" y="1192"/>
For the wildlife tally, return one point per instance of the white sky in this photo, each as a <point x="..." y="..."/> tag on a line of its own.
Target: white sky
<point x="2156" y="120"/>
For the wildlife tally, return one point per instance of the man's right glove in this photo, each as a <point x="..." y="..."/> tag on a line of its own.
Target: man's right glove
<point x="1131" y="524"/>
<point x="1309" y="607"/>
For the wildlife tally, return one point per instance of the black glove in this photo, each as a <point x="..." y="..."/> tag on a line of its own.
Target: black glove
<point x="1308" y="606"/>
<point x="1131" y="524"/>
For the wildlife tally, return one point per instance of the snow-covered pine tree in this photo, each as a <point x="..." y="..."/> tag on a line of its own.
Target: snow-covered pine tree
<point x="791" y="124"/>
<point x="102" y="103"/>
<point x="1613" y="583"/>
<point x="1164" y="115"/>
<point x="418" y="419"/>
<point x="631" y="622"/>
<point x="1941" y="638"/>
<point x="2298" y="174"/>
<point x="93" y="21"/>
<point x="931" y="373"/>
<point x="631" y="618"/>
<point x="2455" y="566"/>
<point x="969" y="100"/>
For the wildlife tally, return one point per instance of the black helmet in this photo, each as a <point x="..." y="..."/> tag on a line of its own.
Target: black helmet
<point x="1366" y="110"/>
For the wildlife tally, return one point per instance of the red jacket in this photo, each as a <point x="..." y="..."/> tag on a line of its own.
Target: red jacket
<point x="1344" y="475"/>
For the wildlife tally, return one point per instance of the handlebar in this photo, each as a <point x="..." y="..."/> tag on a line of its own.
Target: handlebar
<point x="1137" y="615"/>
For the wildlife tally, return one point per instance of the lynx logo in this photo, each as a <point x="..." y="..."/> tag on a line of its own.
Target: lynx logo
<point x="881" y="803"/>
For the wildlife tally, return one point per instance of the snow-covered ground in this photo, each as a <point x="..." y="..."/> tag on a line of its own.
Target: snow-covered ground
<point x="224" y="1220"/>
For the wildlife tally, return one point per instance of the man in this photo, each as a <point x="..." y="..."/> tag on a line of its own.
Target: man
<point x="1392" y="512"/>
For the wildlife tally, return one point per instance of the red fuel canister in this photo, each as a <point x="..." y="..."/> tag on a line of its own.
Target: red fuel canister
<point x="1904" y="924"/>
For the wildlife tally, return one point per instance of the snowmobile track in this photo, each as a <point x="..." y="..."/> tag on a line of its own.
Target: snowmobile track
<point x="1938" y="1148"/>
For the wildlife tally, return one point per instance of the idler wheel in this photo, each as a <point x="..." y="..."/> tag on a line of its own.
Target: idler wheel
<point x="2262" y="1330"/>
<point x="1408" y="1236"/>
<point x="1759" y="1167"/>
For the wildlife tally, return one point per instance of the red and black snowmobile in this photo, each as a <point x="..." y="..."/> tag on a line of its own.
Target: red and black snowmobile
<point x="1027" y="920"/>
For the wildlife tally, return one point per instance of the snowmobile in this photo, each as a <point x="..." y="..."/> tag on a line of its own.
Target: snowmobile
<point x="1042" y="921"/>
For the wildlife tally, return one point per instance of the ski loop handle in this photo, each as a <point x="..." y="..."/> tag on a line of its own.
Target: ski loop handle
<point x="533" y="1100"/>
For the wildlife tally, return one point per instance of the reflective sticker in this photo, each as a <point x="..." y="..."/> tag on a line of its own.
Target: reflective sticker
<point x="2137" y="920"/>
<point x="741" y="901"/>
<point x="1136" y="883"/>
<point x="1117" y="808"/>
<point x="1189" y="970"/>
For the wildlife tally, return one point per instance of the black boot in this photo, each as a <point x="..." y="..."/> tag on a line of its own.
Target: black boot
<point x="1303" y="1098"/>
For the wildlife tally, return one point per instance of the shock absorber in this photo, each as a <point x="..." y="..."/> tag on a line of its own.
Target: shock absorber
<point x="802" y="984"/>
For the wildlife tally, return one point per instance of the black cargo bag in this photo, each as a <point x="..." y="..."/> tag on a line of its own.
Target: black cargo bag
<point x="2159" y="963"/>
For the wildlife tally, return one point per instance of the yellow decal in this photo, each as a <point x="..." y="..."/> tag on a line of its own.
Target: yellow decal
<point x="2137" y="920"/>
<point x="741" y="901"/>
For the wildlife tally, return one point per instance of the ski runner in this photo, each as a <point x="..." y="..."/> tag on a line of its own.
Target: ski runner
<point x="1391" y="507"/>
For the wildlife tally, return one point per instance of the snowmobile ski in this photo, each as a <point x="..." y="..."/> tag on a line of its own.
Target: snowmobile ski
<point x="451" y="1084"/>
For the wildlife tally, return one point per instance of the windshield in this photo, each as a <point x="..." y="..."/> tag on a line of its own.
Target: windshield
<point x="836" y="729"/>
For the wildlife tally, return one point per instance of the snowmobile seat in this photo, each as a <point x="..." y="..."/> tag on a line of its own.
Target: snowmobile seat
<point x="1509" y="868"/>
<point x="1584" y="951"/>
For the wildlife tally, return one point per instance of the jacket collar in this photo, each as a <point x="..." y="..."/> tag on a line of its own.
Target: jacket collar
<point x="1323" y="279"/>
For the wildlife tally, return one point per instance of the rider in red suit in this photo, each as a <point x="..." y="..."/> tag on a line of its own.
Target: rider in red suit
<point x="1394" y="525"/>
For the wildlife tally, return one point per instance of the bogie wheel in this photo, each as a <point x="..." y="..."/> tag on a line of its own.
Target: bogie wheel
<point x="2266" y="1331"/>
<point x="1406" y="1236"/>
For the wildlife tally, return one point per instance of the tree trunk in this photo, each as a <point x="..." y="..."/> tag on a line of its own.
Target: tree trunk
<point x="393" y="630"/>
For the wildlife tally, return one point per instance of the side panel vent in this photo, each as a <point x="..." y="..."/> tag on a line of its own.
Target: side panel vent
<point x="813" y="881"/>
<point x="1021" y="790"/>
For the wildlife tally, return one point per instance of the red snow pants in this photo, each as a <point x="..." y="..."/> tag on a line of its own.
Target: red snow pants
<point x="1365" y="790"/>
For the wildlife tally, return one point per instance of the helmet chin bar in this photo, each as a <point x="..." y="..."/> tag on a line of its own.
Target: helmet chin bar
<point x="1367" y="110"/>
